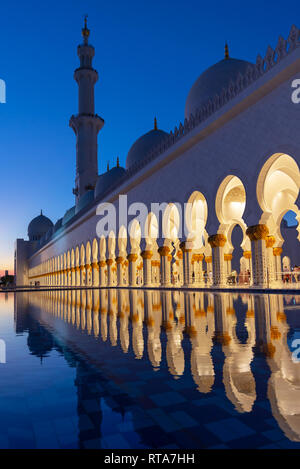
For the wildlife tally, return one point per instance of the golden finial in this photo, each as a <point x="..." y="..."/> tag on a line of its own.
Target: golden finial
<point x="155" y="123"/>
<point x="226" y="51"/>
<point x="108" y="166"/>
<point x="118" y="162"/>
<point x="85" y="31"/>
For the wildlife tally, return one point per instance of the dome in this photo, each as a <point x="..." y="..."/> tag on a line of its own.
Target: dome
<point x="84" y="200"/>
<point x="58" y="225"/>
<point x="142" y="147"/>
<point x="108" y="179"/>
<point x="68" y="215"/>
<point x="212" y="81"/>
<point x="38" y="227"/>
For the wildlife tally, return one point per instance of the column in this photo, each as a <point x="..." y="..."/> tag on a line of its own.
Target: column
<point x="187" y="263"/>
<point x="82" y="275"/>
<point x="95" y="274"/>
<point x="247" y="255"/>
<point x="198" y="269"/>
<point x="73" y="276"/>
<point x="278" y="265"/>
<point x="102" y="267"/>
<point x="165" y="265"/>
<point x="147" y="268"/>
<point x="132" y="258"/>
<point x="120" y="273"/>
<point x="217" y="243"/>
<point x="270" y="241"/>
<point x="208" y="260"/>
<point x="228" y="267"/>
<point x="110" y="274"/>
<point x="257" y="235"/>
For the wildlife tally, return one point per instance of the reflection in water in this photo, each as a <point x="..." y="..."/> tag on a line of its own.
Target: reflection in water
<point x="183" y="330"/>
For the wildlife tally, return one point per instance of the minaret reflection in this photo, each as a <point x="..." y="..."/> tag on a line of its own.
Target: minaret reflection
<point x="201" y="328"/>
<point x="284" y="382"/>
<point x="237" y="375"/>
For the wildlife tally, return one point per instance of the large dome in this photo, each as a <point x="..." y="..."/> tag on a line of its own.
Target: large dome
<point x="38" y="227"/>
<point x="142" y="147"/>
<point x="212" y="81"/>
<point x="107" y="180"/>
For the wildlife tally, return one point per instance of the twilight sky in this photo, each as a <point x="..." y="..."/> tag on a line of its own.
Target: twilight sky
<point x="148" y="55"/>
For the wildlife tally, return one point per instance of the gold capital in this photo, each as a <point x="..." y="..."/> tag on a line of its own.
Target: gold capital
<point x="257" y="232"/>
<point x="147" y="254"/>
<point x="277" y="251"/>
<point x="270" y="241"/>
<point x="217" y="240"/>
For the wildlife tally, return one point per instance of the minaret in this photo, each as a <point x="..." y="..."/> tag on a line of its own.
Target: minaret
<point x="86" y="124"/>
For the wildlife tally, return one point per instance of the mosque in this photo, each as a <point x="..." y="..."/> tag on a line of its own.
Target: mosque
<point x="233" y="164"/>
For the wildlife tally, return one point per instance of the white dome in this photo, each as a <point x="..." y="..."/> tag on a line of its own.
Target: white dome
<point x="212" y="81"/>
<point x="38" y="227"/>
<point x="108" y="179"/>
<point x="142" y="147"/>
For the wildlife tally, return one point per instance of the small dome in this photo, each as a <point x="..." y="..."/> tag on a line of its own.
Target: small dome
<point x="38" y="227"/>
<point x="68" y="215"/>
<point x="58" y="225"/>
<point x="84" y="201"/>
<point x="142" y="147"/>
<point x="212" y="81"/>
<point x="108" y="179"/>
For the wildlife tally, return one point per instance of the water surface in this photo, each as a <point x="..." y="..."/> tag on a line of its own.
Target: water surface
<point x="148" y="369"/>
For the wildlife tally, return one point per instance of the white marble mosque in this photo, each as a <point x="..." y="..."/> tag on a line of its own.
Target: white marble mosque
<point x="234" y="160"/>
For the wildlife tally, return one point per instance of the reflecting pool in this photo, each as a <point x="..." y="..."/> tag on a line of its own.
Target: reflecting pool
<point x="149" y="369"/>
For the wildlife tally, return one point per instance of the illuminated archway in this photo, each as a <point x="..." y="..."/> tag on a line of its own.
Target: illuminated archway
<point x="230" y="206"/>
<point x="277" y="190"/>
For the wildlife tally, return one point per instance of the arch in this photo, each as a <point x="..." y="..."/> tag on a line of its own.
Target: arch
<point x="95" y="250"/>
<point x="196" y="217"/>
<point x="82" y="255"/>
<point x="72" y="257"/>
<point x="230" y="200"/>
<point x="88" y="251"/>
<point x="151" y="228"/>
<point x="135" y="234"/>
<point x="111" y="245"/>
<point x="277" y="191"/>
<point x="102" y="247"/>
<point x="122" y="239"/>
<point x="171" y="222"/>
<point x="279" y="173"/>
<point x="245" y="245"/>
<point x="77" y="256"/>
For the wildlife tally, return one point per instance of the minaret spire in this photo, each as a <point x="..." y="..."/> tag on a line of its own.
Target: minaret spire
<point x="226" y="51"/>
<point x="86" y="124"/>
<point x="85" y="31"/>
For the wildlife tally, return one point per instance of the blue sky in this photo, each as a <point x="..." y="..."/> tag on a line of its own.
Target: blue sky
<point x="148" y="54"/>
